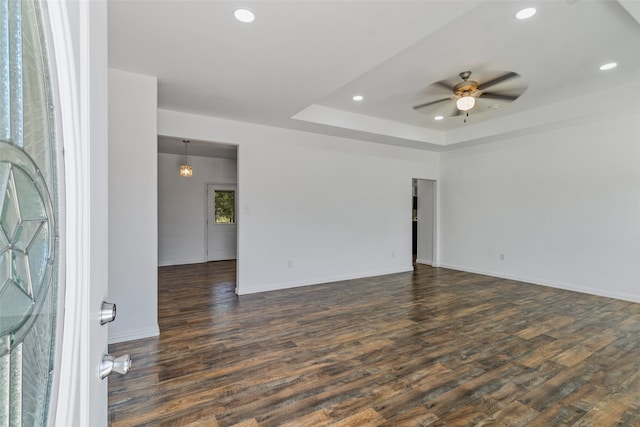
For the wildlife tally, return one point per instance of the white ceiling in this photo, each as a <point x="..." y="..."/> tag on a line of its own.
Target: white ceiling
<point x="299" y="64"/>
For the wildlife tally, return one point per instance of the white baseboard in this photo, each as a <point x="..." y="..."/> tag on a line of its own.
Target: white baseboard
<point x="168" y="263"/>
<point x="548" y="283"/>
<point x="321" y="280"/>
<point x="134" y="335"/>
<point x="424" y="261"/>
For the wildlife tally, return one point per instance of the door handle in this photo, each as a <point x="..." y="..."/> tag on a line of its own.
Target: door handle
<point x="107" y="312"/>
<point x="111" y="364"/>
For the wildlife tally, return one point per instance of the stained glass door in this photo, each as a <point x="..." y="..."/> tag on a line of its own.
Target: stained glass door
<point x="29" y="246"/>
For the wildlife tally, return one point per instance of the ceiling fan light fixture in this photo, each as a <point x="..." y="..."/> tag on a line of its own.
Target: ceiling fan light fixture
<point x="526" y="13"/>
<point x="465" y="103"/>
<point x="465" y="92"/>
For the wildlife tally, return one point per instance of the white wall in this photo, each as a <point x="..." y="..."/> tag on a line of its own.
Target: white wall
<point x="133" y="204"/>
<point x="182" y="209"/>
<point x="426" y="221"/>
<point x="563" y="206"/>
<point x="336" y="208"/>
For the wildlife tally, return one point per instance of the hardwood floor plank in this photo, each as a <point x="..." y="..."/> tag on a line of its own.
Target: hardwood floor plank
<point x="203" y="422"/>
<point x="433" y="347"/>
<point x="629" y="391"/>
<point x="515" y="414"/>
<point x="314" y="419"/>
<point x="606" y="413"/>
<point x="557" y="416"/>
<point x="247" y="423"/>
<point x="367" y="418"/>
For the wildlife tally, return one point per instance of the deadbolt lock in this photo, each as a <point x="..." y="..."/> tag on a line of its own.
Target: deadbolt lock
<point x="107" y="312"/>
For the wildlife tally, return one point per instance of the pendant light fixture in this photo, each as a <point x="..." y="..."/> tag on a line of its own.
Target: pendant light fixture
<point x="185" y="168"/>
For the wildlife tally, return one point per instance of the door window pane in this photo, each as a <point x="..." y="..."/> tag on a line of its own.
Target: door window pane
<point x="29" y="249"/>
<point x="225" y="203"/>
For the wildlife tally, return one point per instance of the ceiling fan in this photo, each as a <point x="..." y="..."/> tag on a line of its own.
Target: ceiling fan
<point x="466" y="92"/>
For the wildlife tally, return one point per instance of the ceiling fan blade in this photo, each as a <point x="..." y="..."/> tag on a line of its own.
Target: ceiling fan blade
<point x="443" y="84"/>
<point x="508" y="76"/>
<point x="494" y="95"/>
<point x="417" y="107"/>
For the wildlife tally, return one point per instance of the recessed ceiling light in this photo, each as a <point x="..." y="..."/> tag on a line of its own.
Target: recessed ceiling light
<point x="357" y="98"/>
<point x="244" y="15"/>
<point x="438" y="118"/>
<point x="526" y="13"/>
<point x="608" y="66"/>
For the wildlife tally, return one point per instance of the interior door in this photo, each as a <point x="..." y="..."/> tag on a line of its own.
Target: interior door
<point x="426" y="219"/>
<point x="221" y="222"/>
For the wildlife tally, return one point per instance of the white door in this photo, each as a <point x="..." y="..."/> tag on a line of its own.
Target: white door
<point x="79" y="33"/>
<point x="221" y="222"/>
<point x="426" y="235"/>
<point x="53" y="212"/>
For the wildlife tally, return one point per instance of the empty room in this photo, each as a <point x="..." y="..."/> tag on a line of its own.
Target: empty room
<point x="326" y="213"/>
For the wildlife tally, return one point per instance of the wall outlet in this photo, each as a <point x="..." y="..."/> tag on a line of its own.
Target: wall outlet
<point x="501" y="257"/>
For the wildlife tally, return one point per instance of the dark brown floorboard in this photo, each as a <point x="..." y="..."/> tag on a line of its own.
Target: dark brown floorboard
<point x="435" y="347"/>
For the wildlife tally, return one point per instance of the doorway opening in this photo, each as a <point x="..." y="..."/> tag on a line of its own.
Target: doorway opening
<point x="197" y="215"/>
<point x="424" y="222"/>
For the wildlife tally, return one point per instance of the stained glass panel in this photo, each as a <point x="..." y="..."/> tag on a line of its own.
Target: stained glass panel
<point x="28" y="212"/>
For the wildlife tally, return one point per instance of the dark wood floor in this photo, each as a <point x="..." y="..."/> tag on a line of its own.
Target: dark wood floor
<point x="431" y="348"/>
